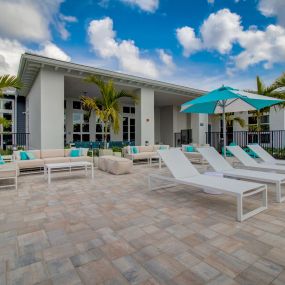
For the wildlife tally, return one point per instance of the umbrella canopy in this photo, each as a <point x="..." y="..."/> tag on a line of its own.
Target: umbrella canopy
<point x="227" y="100"/>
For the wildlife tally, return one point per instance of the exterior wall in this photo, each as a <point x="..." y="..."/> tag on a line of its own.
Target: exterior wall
<point x="21" y="108"/>
<point x="166" y="125"/>
<point x="199" y="126"/>
<point x="157" y="125"/>
<point x="45" y="111"/>
<point x="145" y="117"/>
<point x="52" y="109"/>
<point x="33" y="114"/>
<point x="277" y="119"/>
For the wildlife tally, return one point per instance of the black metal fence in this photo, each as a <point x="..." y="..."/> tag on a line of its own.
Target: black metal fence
<point x="10" y="140"/>
<point x="272" y="141"/>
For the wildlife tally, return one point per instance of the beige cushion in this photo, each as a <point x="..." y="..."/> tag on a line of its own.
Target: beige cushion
<point x="145" y="148"/>
<point x="102" y="162"/>
<point x="82" y="158"/>
<point x="119" y="166"/>
<point x="23" y="164"/>
<point x="67" y="152"/>
<point x="16" y="155"/>
<point x="36" y="153"/>
<point x="56" y="160"/>
<point x="48" y="153"/>
<point x="9" y="170"/>
<point x="143" y="155"/>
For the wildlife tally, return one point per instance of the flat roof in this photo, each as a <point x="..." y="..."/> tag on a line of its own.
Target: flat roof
<point x="31" y="64"/>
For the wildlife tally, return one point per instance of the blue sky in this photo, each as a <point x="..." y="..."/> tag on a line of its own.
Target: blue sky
<point x="202" y="43"/>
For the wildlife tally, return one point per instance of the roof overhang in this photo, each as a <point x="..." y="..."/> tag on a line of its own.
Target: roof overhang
<point x="31" y="64"/>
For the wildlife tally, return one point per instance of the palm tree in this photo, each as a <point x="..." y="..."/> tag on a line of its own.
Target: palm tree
<point x="231" y="118"/>
<point x="276" y="90"/>
<point x="8" y="81"/>
<point x="107" y="107"/>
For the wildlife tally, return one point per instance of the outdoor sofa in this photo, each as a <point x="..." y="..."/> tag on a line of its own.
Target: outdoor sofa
<point x="190" y="151"/>
<point x="42" y="157"/>
<point x="142" y="152"/>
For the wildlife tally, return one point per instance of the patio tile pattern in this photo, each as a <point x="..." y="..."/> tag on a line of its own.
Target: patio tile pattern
<point x="113" y="231"/>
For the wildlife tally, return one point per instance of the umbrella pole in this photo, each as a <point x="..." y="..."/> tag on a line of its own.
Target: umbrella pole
<point x="224" y="130"/>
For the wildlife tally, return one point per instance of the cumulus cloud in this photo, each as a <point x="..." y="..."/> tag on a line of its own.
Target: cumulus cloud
<point x="51" y="50"/>
<point x="11" y="51"/>
<point x="35" y="17"/>
<point x="145" y="5"/>
<point x="187" y="38"/>
<point x="221" y="30"/>
<point x="103" y="40"/>
<point x="273" y="8"/>
<point x="166" y="58"/>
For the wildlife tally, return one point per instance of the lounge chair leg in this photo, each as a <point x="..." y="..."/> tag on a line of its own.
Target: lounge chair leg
<point x="239" y="208"/>
<point x="279" y="198"/>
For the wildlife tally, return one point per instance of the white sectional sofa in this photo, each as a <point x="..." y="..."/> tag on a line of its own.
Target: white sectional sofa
<point x="43" y="157"/>
<point x="144" y="152"/>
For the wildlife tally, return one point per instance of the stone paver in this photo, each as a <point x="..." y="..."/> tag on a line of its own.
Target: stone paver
<point x="113" y="231"/>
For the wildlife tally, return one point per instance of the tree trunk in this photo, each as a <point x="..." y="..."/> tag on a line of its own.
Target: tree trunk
<point x="105" y="134"/>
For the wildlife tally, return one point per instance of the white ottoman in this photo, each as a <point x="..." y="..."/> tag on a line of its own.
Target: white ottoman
<point x="115" y="165"/>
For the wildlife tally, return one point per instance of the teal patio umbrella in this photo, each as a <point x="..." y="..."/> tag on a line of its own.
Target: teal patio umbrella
<point x="227" y="100"/>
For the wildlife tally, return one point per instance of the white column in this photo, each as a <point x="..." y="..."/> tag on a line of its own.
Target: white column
<point x="145" y="117"/>
<point x="52" y="109"/>
<point x="199" y="126"/>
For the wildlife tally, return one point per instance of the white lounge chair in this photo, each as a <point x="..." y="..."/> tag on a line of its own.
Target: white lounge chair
<point x="264" y="155"/>
<point x="250" y="163"/>
<point x="185" y="173"/>
<point x="221" y="165"/>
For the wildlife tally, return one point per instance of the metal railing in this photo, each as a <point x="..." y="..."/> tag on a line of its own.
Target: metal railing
<point x="10" y="140"/>
<point x="272" y="141"/>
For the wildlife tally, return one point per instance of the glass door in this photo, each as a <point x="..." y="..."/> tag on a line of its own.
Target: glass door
<point x="129" y="129"/>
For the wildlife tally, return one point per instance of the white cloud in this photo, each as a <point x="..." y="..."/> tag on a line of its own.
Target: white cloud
<point x="261" y="46"/>
<point x="103" y="40"/>
<point x="273" y="8"/>
<point x="187" y="38"/>
<point x="166" y="58"/>
<point x="11" y="51"/>
<point x="53" y="51"/>
<point x="29" y="20"/>
<point x="145" y="5"/>
<point x="221" y="30"/>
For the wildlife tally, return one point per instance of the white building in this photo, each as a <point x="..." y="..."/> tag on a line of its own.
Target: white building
<point x="54" y="116"/>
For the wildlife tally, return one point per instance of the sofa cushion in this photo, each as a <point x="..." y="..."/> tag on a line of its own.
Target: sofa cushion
<point x="146" y="148"/>
<point x="143" y="155"/>
<point x="82" y="158"/>
<point x="24" y="164"/>
<point x="56" y="160"/>
<point x="67" y="152"/>
<point x="49" y="153"/>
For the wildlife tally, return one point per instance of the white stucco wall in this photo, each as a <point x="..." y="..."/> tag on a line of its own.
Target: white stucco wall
<point x="199" y="126"/>
<point x="277" y="119"/>
<point x="33" y="114"/>
<point x="145" y="117"/>
<point x="52" y="109"/>
<point x="157" y="125"/>
<point x="166" y="125"/>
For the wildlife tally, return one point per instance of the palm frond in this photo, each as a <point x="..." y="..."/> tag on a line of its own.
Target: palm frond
<point x="9" y="81"/>
<point x="5" y="123"/>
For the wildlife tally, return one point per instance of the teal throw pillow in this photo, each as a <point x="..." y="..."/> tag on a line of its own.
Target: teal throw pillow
<point x="75" y="152"/>
<point x="31" y="156"/>
<point x="23" y="155"/>
<point x="189" y="148"/>
<point x="1" y="160"/>
<point x="134" y="149"/>
<point x="163" y="147"/>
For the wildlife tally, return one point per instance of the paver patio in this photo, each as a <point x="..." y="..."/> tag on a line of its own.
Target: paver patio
<point x="114" y="231"/>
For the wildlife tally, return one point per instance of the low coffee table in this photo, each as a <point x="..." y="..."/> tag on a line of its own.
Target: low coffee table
<point x="67" y="166"/>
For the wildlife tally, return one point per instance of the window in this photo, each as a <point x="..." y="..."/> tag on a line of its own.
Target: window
<point x="129" y="110"/>
<point x="129" y="129"/>
<point x="80" y="126"/>
<point x="99" y="136"/>
<point x="252" y="122"/>
<point x="77" y="105"/>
